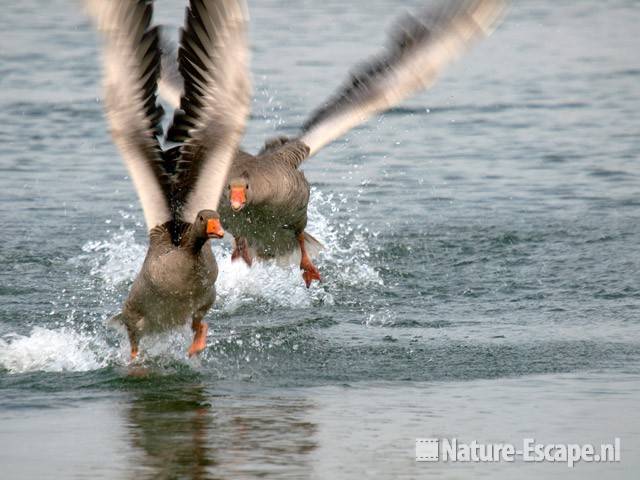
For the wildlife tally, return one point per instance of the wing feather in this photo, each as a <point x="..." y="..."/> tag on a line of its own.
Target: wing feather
<point x="131" y="71"/>
<point x="213" y="61"/>
<point x="421" y="46"/>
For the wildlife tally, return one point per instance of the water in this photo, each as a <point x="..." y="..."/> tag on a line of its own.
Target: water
<point x="481" y="275"/>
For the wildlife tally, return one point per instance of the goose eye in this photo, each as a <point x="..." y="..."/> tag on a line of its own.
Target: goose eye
<point x="247" y="186"/>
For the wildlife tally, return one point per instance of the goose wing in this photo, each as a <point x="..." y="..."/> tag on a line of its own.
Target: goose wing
<point x="420" y="47"/>
<point x="131" y="70"/>
<point x="213" y="61"/>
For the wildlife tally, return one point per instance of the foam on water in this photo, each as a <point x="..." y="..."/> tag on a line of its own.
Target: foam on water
<point x="346" y="245"/>
<point x="115" y="260"/>
<point x="262" y="283"/>
<point x="118" y="259"/>
<point x="52" y="351"/>
<point x="79" y="344"/>
<point x="67" y="350"/>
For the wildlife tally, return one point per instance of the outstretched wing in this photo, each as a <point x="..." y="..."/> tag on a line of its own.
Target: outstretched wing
<point x="131" y="71"/>
<point x="213" y="60"/>
<point x="421" y="47"/>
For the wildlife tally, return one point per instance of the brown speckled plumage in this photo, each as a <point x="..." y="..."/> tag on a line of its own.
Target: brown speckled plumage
<point x="175" y="284"/>
<point x="279" y="195"/>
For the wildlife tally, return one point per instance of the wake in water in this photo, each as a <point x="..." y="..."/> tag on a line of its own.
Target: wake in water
<point x="83" y="341"/>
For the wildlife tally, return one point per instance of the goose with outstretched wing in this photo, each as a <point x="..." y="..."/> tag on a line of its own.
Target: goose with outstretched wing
<point x="265" y="203"/>
<point x="179" y="188"/>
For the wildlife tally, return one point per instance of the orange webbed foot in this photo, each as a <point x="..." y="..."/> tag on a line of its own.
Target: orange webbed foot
<point x="310" y="272"/>
<point x="199" y="339"/>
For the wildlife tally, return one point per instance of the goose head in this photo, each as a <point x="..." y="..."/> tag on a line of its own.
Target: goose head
<point x="239" y="192"/>
<point x="207" y="225"/>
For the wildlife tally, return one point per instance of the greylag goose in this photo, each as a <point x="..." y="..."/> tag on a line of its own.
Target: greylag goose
<point x="265" y="203"/>
<point x="179" y="187"/>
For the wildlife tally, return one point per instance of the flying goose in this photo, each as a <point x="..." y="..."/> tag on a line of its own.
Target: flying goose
<point x="265" y="200"/>
<point x="179" y="187"/>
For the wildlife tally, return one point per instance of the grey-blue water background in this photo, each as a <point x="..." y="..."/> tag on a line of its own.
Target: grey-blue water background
<point x="481" y="275"/>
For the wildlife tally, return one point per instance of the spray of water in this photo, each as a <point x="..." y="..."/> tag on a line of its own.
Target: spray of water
<point x="83" y="341"/>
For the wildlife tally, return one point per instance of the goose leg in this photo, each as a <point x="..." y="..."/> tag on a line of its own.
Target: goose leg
<point x="241" y="251"/>
<point x="310" y="272"/>
<point x="134" y="341"/>
<point x="200" y="330"/>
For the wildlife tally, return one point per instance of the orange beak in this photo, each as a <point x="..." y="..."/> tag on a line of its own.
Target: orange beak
<point x="214" y="229"/>
<point x="238" y="198"/>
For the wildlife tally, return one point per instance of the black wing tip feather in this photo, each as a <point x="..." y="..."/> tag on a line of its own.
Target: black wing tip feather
<point x="409" y="33"/>
<point x="152" y="57"/>
<point x="134" y="21"/>
<point x="192" y="67"/>
<point x="199" y="125"/>
<point x="194" y="62"/>
<point x="148" y="58"/>
<point x="183" y="119"/>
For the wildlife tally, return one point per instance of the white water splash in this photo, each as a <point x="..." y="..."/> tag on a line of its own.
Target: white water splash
<point x="116" y="260"/>
<point x="65" y="350"/>
<point x="264" y="282"/>
<point x="51" y="351"/>
<point x="346" y="243"/>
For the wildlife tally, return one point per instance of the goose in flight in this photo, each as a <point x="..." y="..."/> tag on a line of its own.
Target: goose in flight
<point x="179" y="187"/>
<point x="265" y="201"/>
